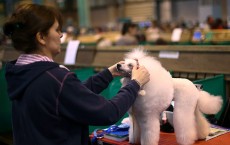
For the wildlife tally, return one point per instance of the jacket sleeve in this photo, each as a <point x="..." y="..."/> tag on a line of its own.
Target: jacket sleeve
<point x="78" y="103"/>
<point x="98" y="82"/>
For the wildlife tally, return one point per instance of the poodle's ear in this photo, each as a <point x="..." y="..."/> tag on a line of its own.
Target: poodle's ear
<point x="122" y="80"/>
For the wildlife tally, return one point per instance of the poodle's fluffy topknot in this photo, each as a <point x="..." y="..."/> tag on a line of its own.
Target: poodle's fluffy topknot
<point x="136" y="53"/>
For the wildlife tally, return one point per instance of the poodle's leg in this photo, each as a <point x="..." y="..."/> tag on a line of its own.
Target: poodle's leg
<point x="184" y="122"/>
<point x="150" y="129"/>
<point x="202" y="125"/>
<point x="131" y="137"/>
<point x="134" y="131"/>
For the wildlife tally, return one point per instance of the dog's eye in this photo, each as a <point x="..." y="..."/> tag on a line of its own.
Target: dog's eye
<point x="130" y="65"/>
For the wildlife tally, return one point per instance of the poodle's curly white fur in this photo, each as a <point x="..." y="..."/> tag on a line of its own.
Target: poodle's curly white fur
<point x="190" y="103"/>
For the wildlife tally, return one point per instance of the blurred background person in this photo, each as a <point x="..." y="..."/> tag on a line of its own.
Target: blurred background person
<point x="68" y="35"/>
<point x="103" y="42"/>
<point x="128" y="34"/>
<point x="209" y="24"/>
<point x="153" y="32"/>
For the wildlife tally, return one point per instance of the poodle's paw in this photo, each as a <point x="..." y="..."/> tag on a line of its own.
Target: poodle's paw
<point x="142" y="92"/>
<point x="126" y="120"/>
<point x="131" y="139"/>
<point x="184" y="141"/>
<point x="203" y="133"/>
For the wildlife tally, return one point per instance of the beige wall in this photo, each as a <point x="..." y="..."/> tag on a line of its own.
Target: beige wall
<point x="137" y="11"/>
<point x="140" y="11"/>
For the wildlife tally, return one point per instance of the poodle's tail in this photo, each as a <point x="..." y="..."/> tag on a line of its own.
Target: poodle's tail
<point x="209" y="104"/>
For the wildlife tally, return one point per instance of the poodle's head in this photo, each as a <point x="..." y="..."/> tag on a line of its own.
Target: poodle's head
<point x="131" y="59"/>
<point x="126" y="67"/>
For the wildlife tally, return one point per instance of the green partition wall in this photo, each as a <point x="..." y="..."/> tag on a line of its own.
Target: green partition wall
<point x="215" y="86"/>
<point x="5" y="105"/>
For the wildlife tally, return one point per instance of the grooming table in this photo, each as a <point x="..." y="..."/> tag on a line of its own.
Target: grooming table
<point x="170" y="139"/>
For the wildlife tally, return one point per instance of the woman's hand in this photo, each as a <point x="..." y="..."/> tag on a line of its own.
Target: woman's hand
<point x="113" y="69"/>
<point x="141" y="75"/>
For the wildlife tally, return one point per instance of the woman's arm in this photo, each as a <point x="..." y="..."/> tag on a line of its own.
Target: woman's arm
<point x="79" y="104"/>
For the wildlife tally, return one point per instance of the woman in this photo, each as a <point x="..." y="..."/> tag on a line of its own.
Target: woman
<point x="128" y="34"/>
<point x="50" y="106"/>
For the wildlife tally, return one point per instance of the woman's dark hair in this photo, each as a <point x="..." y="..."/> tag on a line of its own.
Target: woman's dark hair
<point x="27" y="21"/>
<point x="126" y="26"/>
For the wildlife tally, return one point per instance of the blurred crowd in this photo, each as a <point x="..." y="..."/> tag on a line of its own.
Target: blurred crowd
<point x="133" y="33"/>
<point x="130" y="33"/>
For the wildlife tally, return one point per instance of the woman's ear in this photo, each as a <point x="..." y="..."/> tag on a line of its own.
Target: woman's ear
<point x="40" y="38"/>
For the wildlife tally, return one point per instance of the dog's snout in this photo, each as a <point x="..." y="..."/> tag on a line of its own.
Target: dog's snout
<point x="118" y="66"/>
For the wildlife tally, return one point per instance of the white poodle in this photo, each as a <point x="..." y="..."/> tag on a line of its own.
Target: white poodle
<point x="156" y="96"/>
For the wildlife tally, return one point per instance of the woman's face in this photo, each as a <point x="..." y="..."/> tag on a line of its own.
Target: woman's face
<point x="133" y="31"/>
<point x="53" y="41"/>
